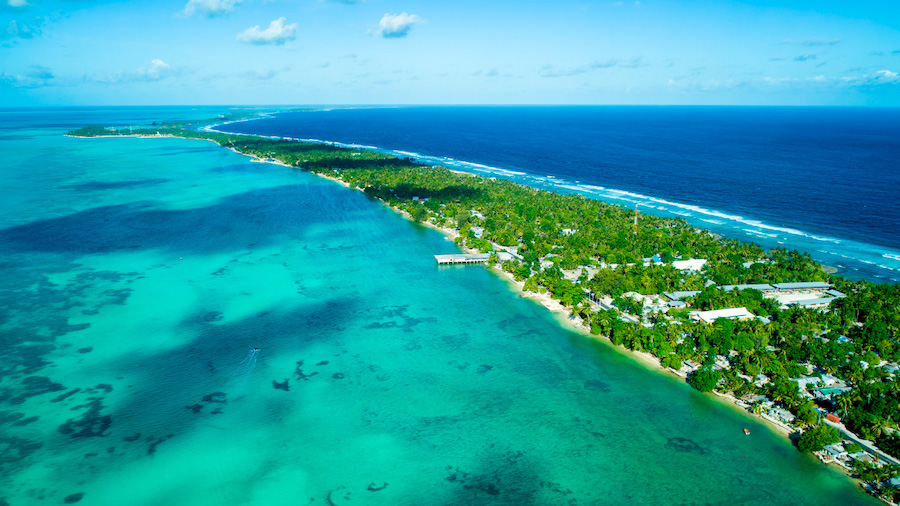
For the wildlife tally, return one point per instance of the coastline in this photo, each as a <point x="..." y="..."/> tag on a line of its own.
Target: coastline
<point x="561" y="313"/>
<point x="568" y="321"/>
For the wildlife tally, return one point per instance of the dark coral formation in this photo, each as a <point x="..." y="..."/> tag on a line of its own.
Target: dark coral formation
<point x="73" y="498"/>
<point x="298" y="372"/>
<point x="90" y="424"/>
<point x="684" y="445"/>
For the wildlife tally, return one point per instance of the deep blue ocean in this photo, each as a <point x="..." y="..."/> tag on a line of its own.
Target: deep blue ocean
<point x="822" y="180"/>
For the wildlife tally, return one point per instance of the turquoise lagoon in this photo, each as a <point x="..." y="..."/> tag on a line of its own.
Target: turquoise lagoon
<point x="137" y="276"/>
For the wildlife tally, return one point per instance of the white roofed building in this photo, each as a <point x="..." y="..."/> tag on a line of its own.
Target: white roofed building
<point x="692" y="264"/>
<point x="735" y="313"/>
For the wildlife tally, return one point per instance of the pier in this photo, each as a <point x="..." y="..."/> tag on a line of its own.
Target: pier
<point x="462" y="258"/>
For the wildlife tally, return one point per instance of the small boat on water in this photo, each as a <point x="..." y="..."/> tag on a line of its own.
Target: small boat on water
<point x="746" y="431"/>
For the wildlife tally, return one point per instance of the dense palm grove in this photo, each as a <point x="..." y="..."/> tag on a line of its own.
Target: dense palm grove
<point x="854" y="339"/>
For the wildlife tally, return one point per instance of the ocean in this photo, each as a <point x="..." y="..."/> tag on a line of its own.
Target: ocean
<point x="817" y="179"/>
<point x="184" y="326"/>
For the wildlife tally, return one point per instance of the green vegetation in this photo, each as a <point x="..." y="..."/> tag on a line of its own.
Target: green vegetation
<point x="815" y="438"/>
<point x="575" y="248"/>
<point x="704" y="379"/>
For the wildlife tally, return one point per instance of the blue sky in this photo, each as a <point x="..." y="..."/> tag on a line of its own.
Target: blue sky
<point x="109" y="52"/>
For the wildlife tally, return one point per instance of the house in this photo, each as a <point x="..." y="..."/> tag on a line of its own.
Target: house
<point x="833" y="453"/>
<point x="736" y="313"/>
<point x="721" y="362"/>
<point x="804" y="382"/>
<point x="760" y="380"/>
<point x="781" y="415"/>
<point x="690" y="365"/>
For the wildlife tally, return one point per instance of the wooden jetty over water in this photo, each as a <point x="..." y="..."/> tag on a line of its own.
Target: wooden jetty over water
<point x="462" y="258"/>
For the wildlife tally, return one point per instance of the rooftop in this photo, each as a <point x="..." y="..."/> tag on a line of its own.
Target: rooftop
<point x="806" y="285"/>
<point x="762" y="287"/>
<point x="735" y="313"/>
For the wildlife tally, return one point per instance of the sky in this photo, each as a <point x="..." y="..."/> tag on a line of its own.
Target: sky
<point x="334" y="52"/>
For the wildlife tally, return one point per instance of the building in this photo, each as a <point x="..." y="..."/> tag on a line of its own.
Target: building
<point x="736" y="313"/>
<point x="781" y="415"/>
<point x="692" y="264"/>
<point x="804" y="287"/>
<point x="680" y="295"/>
<point x="762" y="287"/>
<point x="690" y="365"/>
<point x="812" y="303"/>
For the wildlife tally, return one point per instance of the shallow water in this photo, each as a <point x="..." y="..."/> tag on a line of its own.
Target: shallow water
<point x="138" y="274"/>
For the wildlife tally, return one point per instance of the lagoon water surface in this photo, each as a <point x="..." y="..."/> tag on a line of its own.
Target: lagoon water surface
<point x="139" y="274"/>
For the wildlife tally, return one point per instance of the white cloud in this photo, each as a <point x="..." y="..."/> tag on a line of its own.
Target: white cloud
<point x="554" y="71"/>
<point x="887" y="77"/>
<point x="157" y="70"/>
<point x="37" y="75"/>
<point x="17" y="4"/>
<point x="820" y="42"/>
<point x="16" y="30"/>
<point x="876" y="78"/>
<point x="276" y="33"/>
<point x="819" y="81"/>
<point x="394" y="26"/>
<point x="209" y="8"/>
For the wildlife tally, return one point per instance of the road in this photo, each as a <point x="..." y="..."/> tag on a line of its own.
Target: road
<point x="867" y="445"/>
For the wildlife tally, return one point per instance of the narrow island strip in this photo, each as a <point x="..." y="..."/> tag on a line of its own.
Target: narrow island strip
<point x="814" y="354"/>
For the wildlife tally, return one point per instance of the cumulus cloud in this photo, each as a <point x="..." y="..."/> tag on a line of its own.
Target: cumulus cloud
<point x="277" y="33"/>
<point x="37" y="76"/>
<point x="209" y="8"/>
<point x="156" y="71"/>
<point x="887" y="77"/>
<point x="393" y="26"/>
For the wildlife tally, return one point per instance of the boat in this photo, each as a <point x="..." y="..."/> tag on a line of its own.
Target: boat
<point x="746" y="431"/>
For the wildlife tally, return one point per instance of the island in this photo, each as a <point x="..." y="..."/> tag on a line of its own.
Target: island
<point x="771" y="331"/>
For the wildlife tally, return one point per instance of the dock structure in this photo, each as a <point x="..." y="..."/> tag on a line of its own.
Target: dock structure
<point x="462" y="258"/>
